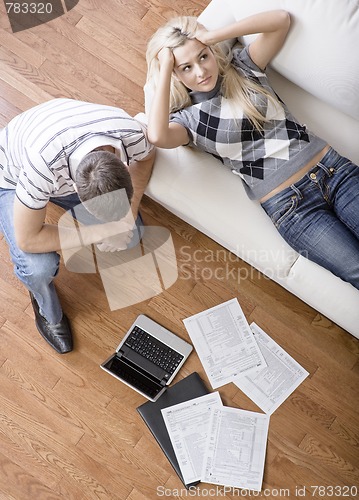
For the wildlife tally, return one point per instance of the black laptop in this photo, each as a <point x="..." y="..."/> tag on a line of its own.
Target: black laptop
<point x="148" y="358"/>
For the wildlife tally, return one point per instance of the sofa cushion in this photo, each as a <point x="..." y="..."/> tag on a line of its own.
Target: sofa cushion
<point x="320" y="53"/>
<point x="326" y="293"/>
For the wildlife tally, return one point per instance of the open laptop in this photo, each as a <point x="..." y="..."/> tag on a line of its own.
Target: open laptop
<point x="148" y="358"/>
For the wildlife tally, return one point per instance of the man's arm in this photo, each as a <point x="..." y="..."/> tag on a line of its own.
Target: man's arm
<point x="31" y="233"/>
<point x="34" y="236"/>
<point x="140" y="172"/>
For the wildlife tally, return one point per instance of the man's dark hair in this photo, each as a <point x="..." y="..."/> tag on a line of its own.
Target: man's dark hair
<point x="99" y="174"/>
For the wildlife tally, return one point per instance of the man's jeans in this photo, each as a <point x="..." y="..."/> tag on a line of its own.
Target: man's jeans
<point x="318" y="216"/>
<point x="37" y="271"/>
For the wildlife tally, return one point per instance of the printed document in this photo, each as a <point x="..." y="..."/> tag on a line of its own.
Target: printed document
<point x="236" y="449"/>
<point x="187" y="425"/>
<point x="224" y="343"/>
<point x="270" y="386"/>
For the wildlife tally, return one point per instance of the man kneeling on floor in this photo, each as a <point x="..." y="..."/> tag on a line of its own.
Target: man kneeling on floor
<point x="68" y="152"/>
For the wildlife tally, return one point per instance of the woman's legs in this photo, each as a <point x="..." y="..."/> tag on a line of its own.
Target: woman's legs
<point x="319" y="216"/>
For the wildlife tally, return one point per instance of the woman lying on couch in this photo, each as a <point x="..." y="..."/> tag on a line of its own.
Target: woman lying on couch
<point x="228" y="109"/>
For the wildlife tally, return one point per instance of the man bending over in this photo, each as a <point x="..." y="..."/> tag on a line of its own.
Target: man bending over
<point x="67" y="152"/>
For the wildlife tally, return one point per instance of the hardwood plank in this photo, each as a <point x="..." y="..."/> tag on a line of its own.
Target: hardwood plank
<point x="74" y="55"/>
<point x="337" y="465"/>
<point x="6" y="110"/>
<point x="292" y="336"/>
<point x="136" y="495"/>
<point x="91" y="37"/>
<point x="15" y="483"/>
<point x="300" y="476"/>
<point x="12" y="300"/>
<point x="45" y="421"/>
<point x="20" y="82"/>
<point x="15" y="100"/>
<point x="21" y="49"/>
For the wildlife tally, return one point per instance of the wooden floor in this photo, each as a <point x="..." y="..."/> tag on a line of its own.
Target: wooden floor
<point x="67" y="429"/>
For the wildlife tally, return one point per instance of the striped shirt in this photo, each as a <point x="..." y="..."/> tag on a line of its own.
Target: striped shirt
<point x="41" y="148"/>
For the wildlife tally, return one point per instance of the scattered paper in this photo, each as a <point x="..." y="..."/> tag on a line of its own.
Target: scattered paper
<point x="270" y="386"/>
<point x="222" y="445"/>
<point x="187" y="425"/>
<point x="224" y="343"/>
<point x="236" y="449"/>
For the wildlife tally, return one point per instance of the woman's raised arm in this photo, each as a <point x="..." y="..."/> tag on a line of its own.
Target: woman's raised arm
<point x="160" y="131"/>
<point x="272" y="28"/>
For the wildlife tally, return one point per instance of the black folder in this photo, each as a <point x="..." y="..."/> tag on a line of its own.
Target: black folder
<point x="188" y="388"/>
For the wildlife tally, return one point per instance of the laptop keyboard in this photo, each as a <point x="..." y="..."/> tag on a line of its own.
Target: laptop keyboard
<point x="154" y="350"/>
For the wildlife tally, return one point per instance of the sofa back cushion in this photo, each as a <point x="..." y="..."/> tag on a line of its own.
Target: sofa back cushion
<point x="320" y="54"/>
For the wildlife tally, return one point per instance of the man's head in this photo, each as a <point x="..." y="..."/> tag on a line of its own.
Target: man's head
<point x="105" y="180"/>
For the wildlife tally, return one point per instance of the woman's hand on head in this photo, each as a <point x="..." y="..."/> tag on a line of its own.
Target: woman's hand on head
<point x="166" y="58"/>
<point x="203" y="35"/>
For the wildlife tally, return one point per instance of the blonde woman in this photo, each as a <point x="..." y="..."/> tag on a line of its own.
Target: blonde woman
<point x="226" y="107"/>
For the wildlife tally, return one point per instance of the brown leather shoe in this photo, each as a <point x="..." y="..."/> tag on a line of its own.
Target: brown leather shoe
<point x="59" y="336"/>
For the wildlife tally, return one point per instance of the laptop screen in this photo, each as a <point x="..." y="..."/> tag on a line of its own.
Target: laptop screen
<point x="133" y="376"/>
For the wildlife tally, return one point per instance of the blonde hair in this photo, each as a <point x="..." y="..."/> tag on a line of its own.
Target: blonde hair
<point x="240" y="90"/>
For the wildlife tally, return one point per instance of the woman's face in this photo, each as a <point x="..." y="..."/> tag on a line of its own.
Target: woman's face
<point x="196" y="66"/>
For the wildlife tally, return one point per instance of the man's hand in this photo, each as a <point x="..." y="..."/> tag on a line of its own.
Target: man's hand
<point x="121" y="240"/>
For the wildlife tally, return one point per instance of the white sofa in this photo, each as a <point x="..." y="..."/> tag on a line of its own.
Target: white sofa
<point x="317" y="74"/>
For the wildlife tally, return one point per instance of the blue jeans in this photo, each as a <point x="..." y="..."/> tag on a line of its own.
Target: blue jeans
<point x="318" y="216"/>
<point x="37" y="270"/>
